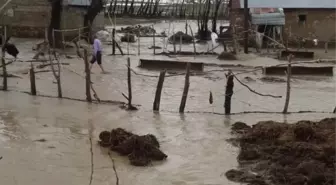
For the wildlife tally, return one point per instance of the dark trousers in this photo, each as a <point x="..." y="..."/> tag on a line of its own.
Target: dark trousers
<point x="97" y="57"/>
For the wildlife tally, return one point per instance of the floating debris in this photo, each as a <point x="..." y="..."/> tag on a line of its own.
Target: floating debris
<point x="141" y="150"/>
<point x="296" y="154"/>
<point x="138" y="30"/>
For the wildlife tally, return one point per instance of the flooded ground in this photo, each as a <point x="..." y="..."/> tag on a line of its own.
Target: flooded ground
<point x="195" y="142"/>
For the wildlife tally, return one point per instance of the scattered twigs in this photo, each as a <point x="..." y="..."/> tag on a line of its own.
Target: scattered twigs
<point x="185" y="90"/>
<point x="260" y="94"/>
<point x="289" y="73"/>
<point x="41" y="66"/>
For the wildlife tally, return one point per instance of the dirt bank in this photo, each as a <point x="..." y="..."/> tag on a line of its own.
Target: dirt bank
<point x="292" y="154"/>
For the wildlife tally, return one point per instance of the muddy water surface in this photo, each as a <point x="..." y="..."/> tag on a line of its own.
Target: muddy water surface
<point x="52" y="141"/>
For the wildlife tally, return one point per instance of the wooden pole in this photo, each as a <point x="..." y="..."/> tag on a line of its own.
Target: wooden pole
<point x="129" y="83"/>
<point x="194" y="44"/>
<point x="53" y="38"/>
<point x="113" y="42"/>
<point x="246" y="25"/>
<point x="4" y="72"/>
<point x="174" y="42"/>
<point x="139" y="46"/>
<point x="185" y="90"/>
<point x="326" y="47"/>
<point x="4" y="68"/>
<point x="87" y="77"/>
<point x="153" y="41"/>
<point x="156" y="104"/>
<point x="32" y="81"/>
<point x="180" y="43"/>
<point x="228" y="92"/>
<point x="289" y="73"/>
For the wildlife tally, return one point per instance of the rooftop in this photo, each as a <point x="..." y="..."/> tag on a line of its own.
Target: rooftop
<point x="285" y="4"/>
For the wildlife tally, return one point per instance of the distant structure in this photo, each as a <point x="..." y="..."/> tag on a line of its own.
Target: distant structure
<point x="307" y="19"/>
<point x="29" y="18"/>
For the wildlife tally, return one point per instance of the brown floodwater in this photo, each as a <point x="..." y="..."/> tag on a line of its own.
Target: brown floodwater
<point x="195" y="142"/>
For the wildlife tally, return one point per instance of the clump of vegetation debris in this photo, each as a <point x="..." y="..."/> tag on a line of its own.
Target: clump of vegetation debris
<point x="141" y="150"/>
<point x="293" y="154"/>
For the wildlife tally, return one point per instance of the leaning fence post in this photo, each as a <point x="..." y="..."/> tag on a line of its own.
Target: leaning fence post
<point x="289" y="73"/>
<point x="87" y="77"/>
<point x="156" y="104"/>
<point x="32" y="81"/>
<point x="185" y="90"/>
<point x="228" y="92"/>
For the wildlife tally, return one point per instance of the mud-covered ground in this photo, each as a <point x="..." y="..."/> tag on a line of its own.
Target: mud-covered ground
<point x="50" y="140"/>
<point x="281" y="153"/>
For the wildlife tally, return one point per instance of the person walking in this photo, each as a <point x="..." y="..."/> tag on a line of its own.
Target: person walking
<point x="97" y="54"/>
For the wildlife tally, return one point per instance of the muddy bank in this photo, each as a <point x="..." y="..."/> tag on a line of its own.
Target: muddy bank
<point x="279" y="153"/>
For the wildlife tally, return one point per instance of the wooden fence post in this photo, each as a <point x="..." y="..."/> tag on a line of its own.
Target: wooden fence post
<point x="228" y="92"/>
<point x="180" y="44"/>
<point x="113" y="42"/>
<point x="4" y="68"/>
<point x="156" y="104"/>
<point x="4" y="72"/>
<point x="129" y="83"/>
<point x="32" y="81"/>
<point x="185" y="90"/>
<point x="139" y="45"/>
<point x="174" y="42"/>
<point x="153" y="41"/>
<point x="87" y="77"/>
<point x="289" y="73"/>
<point x="191" y="32"/>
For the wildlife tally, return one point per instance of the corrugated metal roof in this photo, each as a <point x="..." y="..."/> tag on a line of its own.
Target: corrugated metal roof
<point x="78" y="2"/>
<point x="285" y="4"/>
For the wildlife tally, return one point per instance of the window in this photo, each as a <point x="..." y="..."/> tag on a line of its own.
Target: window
<point x="302" y="19"/>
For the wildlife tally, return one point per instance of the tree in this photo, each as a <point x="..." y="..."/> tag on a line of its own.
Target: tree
<point x="94" y="9"/>
<point x="55" y="23"/>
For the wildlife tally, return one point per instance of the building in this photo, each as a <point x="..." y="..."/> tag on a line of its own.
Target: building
<point x="30" y="18"/>
<point x="308" y="19"/>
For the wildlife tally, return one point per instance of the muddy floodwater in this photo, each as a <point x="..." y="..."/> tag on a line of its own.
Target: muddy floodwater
<point x="54" y="141"/>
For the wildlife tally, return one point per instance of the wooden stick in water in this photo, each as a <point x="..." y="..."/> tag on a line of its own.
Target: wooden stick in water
<point x="289" y="73"/>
